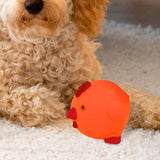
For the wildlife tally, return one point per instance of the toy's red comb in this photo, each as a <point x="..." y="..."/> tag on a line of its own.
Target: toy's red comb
<point x="83" y="88"/>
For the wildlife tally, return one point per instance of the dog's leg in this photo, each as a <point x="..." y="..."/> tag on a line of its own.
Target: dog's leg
<point x="145" y="109"/>
<point x="35" y="106"/>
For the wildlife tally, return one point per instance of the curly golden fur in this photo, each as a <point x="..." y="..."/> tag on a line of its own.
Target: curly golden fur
<point x="89" y="15"/>
<point x="45" y="57"/>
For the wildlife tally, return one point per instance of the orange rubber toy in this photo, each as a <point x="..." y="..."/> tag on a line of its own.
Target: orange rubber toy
<point x="100" y="109"/>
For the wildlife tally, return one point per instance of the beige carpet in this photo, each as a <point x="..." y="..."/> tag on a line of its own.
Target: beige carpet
<point x="129" y="54"/>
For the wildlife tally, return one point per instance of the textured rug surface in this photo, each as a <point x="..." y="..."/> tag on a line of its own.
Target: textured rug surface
<point x="130" y="55"/>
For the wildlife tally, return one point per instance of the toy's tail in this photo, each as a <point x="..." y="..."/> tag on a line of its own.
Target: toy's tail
<point x="145" y="109"/>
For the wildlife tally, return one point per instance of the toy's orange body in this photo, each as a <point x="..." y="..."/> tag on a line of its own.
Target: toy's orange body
<point x="100" y="109"/>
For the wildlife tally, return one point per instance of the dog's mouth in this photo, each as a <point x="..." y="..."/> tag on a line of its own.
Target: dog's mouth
<point x="33" y="20"/>
<point x="43" y="25"/>
<point x="48" y="22"/>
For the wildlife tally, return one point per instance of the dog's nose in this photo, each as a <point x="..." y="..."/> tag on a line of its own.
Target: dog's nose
<point x="33" y="6"/>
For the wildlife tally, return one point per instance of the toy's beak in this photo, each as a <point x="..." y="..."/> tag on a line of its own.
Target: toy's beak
<point x="72" y="114"/>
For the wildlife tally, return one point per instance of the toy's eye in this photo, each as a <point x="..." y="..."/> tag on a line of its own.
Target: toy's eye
<point x="82" y="107"/>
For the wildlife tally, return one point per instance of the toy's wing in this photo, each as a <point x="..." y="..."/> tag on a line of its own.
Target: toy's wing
<point x="117" y="110"/>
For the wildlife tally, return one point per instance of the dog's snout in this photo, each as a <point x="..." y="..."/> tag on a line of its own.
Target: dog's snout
<point x="33" y="6"/>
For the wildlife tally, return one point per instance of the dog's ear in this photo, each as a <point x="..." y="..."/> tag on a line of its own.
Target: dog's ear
<point x="89" y="15"/>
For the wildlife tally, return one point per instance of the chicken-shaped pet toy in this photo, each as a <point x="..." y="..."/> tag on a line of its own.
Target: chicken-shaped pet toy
<point x="100" y="109"/>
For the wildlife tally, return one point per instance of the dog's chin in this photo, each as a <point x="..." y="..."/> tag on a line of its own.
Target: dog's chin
<point x="32" y="29"/>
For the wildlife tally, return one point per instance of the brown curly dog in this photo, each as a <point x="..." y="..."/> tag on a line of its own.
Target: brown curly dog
<point x="47" y="50"/>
